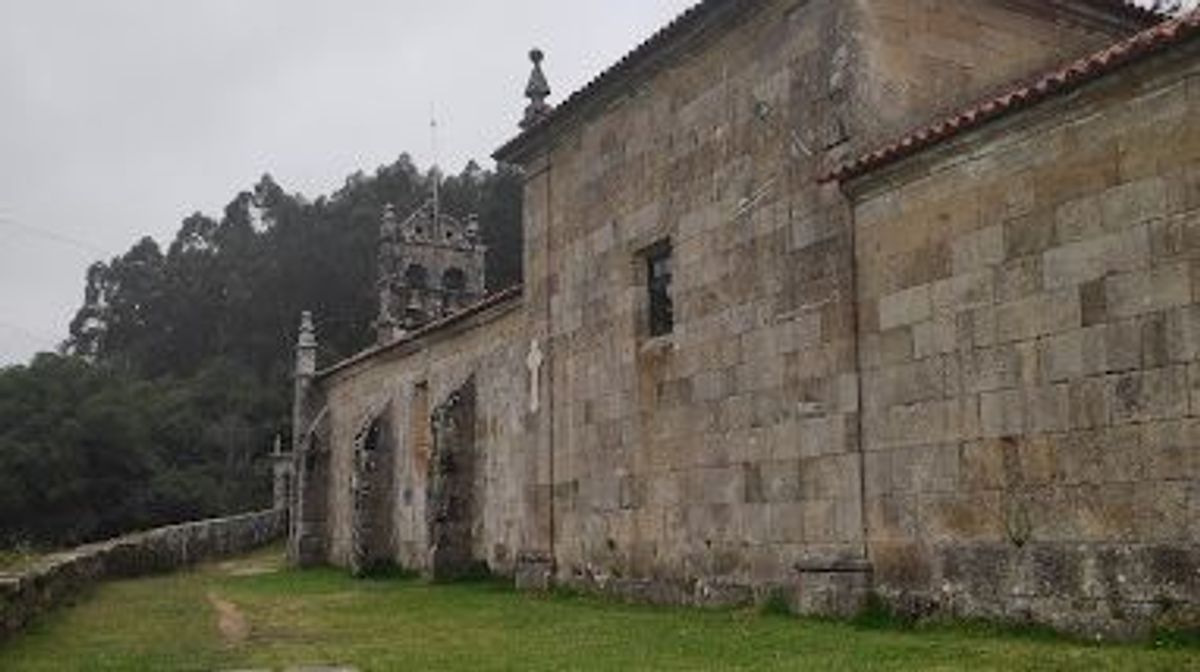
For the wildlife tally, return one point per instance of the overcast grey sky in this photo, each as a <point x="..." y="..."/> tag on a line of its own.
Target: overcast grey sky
<point x="120" y="117"/>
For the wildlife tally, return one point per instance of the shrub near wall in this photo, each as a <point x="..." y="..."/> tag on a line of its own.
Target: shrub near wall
<point x="63" y="577"/>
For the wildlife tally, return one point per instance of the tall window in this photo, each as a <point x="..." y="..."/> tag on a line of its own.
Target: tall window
<point x="658" y="287"/>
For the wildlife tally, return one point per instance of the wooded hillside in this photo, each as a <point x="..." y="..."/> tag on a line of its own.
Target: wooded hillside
<point x="164" y="401"/>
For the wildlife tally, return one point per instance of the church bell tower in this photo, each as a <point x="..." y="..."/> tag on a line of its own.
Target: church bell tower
<point x="431" y="265"/>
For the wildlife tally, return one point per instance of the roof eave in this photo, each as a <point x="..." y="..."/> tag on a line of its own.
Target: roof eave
<point x="1056" y="83"/>
<point x="501" y="300"/>
<point x="685" y="26"/>
<point x="691" y="23"/>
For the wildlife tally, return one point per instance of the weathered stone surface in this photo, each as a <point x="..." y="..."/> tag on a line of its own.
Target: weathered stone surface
<point x="1074" y="495"/>
<point x="430" y="265"/>
<point x="64" y="577"/>
<point x="950" y="371"/>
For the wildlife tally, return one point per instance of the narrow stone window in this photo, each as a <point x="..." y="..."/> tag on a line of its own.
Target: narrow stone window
<point x="658" y="287"/>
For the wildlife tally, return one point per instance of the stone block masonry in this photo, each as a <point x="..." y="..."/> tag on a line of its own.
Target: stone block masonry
<point x="723" y="460"/>
<point x="62" y="578"/>
<point x="1035" y="455"/>
<point x="935" y="387"/>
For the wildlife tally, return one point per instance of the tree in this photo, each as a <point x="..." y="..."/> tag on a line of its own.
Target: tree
<point x="176" y="376"/>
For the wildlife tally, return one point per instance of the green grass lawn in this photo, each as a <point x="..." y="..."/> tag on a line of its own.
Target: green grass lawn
<point x="254" y="614"/>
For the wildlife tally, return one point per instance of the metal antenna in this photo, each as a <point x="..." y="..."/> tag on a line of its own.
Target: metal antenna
<point x="437" y="177"/>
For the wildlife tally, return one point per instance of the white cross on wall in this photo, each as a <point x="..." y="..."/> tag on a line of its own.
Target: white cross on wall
<point x="534" y="363"/>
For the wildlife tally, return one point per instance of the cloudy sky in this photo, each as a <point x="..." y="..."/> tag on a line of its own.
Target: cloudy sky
<point x="120" y="117"/>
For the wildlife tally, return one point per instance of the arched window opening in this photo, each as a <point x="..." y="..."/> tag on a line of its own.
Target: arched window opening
<point x="374" y="435"/>
<point x="416" y="277"/>
<point x="454" y="280"/>
<point x="414" y="317"/>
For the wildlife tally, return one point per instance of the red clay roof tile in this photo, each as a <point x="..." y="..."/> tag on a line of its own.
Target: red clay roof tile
<point x="690" y="19"/>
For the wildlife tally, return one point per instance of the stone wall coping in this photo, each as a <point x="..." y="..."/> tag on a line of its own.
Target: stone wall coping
<point x="479" y="314"/>
<point x="62" y="577"/>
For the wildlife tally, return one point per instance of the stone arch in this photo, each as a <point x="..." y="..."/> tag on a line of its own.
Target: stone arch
<point x="416" y="276"/>
<point x="454" y="280"/>
<point x="373" y="490"/>
<point x="452" y="507"/>
<point x="414" y="316"/>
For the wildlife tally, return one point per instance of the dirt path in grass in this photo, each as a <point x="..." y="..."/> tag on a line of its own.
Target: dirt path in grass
<point x="230" y="621"/>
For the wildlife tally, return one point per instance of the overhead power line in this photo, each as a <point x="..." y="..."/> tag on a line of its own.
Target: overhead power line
<point x="54" y="236"/>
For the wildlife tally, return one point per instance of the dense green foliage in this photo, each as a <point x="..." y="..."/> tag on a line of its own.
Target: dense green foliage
<point x="89" y="451"/>
<point x="234" y="287"/>
<point x="175" y="378"/>
<point x="251" y="614"/>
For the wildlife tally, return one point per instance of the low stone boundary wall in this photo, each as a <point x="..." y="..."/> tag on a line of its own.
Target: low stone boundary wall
<point x="62" y="578"/>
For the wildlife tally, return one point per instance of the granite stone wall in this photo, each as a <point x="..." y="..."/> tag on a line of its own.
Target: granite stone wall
<point x="725" y="460"/>
<point x="727" y="453"/>
<point x="401" y="388"/>
<point x="62" y="578"/>
<point x="700" y="465"/>
<point x="1030" y="320"/>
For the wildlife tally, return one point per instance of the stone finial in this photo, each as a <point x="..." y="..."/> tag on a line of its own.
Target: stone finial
<point x="306" y="346"/>
<point x="281" y="468"/>
<point x="472" y="228"/>
<point x="308" y="334"/>
<point x="389" y="230"/>
<point x="389" y="223"/>
<point x="537" y="91"/>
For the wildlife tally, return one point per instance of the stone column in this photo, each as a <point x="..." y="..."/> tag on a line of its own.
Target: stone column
<point x="301" y="536"/>
<point x="281" y="468"/>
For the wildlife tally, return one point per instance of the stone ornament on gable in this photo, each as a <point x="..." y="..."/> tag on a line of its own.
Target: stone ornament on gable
<point x="537" y="91"/>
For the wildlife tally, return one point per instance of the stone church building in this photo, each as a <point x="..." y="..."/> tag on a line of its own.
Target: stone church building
<point x="822" y="299"/>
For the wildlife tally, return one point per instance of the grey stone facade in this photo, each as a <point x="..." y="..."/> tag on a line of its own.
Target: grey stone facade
<point x="814" y="422"/>
<point x="1031" y="451"/>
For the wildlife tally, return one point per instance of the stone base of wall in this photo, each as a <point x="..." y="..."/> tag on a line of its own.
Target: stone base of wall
<point x="1094" y="591"/>
<point x="534" y="571"/>
<point x="693" y="593"/>
<point x="307" y="552"/>
<point x="63" y="578"/>
<point x="830" y="589"/>
<point x="1090" y="590"/>
<point x="838" y="589"/>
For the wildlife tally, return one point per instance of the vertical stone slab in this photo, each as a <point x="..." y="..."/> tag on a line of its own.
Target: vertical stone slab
<point x="373" y="491"/>
<point x="452" y="515"/>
